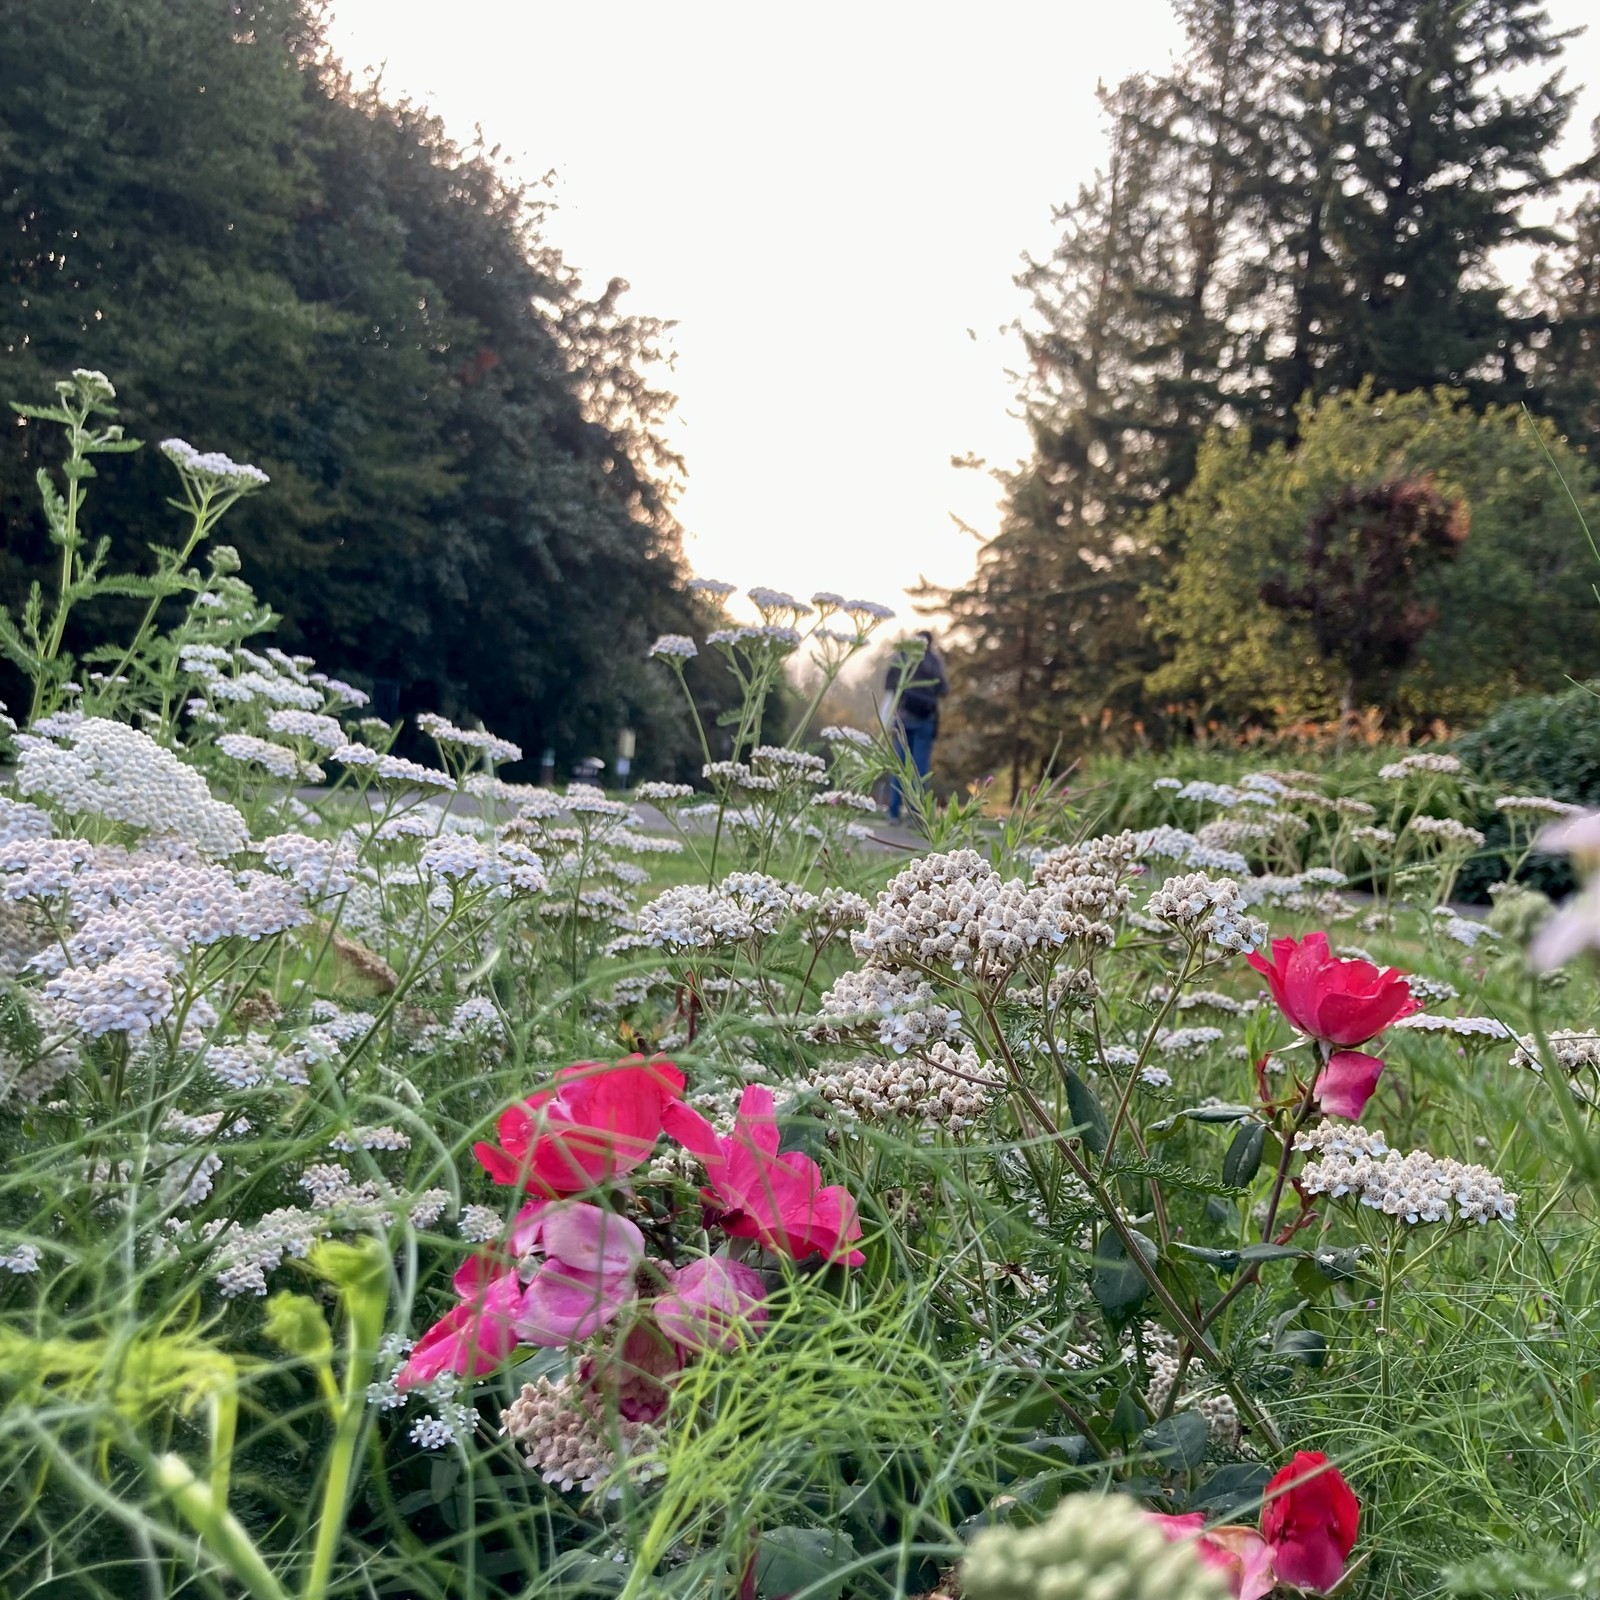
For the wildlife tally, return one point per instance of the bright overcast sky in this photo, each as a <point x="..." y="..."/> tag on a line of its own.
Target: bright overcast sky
<point x="831" y="202"/>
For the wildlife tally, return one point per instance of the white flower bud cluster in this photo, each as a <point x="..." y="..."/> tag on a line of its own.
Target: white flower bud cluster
<point x="322" y="868"/>
<point x="836" y="912"/>
<point x="564" y="1438"/>
<point x="1573" y="1049"/>
<point x="1207" y="908"/>
<point x="1091" y="1547"/>
<point x="476" y="1017"/>
<point x="1461" y="1027"/>
<point x="1187" y="1042"/>
<point x="322" y="731"/>
<point x="714" y="587"/>
<point x="245" y="1255"/>
<point x="20" y="1258"/>
<point x="675" y="647"/>
<point x="384" y="1137"/>
<point x="107" y="769"/>
<point x="276" y="760"/>
<point x="1215" y="1000"/>
<point x="1217" y="1407"/>
<point x="584" y="800"/>
<point x="428" y="1206"/>
<point x="1463" y="930"/>
<point x="767" y="901"/>
<point x="502" y="869"/>
<point x="833" y="734"/>
<point x="1207" y="793"/>
<point x="1423" y="761"/>
<point x="664" y="793"/>
<point x="452" y="1423"/>
<point x="489" y="745"/>
<point x="1108" y="856"/>
<point x="739" y="776"/>
<point x="1233" y="833"/>
<point x="1342" y="1141"/>
<point x="21" y="821"/>
<point x="221" y="469"/>
<point x="937" y="1086"/>
<point x="1264" y="783"/>
<point x="765" y="636"/>
<point x="899" y="1010"/>
<point x="1415" y="1188"/>
<point x="1451" y="834"/>
<point x="480" y="1224"/>
<point x="689" y="917"/>
<point x="845" y="800"/>
<point x="398" y="770"/>
<point x="1174" y="844"/>
<point x="129" y="993"/>
<point x="955" y="911"/>
<point x="1375" y="838"/>
<point x="1538" y="805"/>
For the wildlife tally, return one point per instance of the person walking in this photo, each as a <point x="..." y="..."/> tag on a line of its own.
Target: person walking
<point x="915" y="687"/>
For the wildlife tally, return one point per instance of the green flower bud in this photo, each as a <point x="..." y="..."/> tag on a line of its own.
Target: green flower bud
<point x="1092" y="1547"/>
<point x="296" y="1325"/>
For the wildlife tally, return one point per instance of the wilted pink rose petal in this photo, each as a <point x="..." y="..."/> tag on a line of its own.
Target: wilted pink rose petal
<point x="713" y="1304"/>
<point x="1349" y="1080"/>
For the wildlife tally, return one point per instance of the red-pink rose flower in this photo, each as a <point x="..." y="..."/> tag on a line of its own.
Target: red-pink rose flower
<point x="1343" y="1003"/>
<point x="599" y="1122"/>
<point x="476" y="1336"/>
<point x="1240" y="1554"/>
<point x="1310" y="1519"/>
<point x="778" y="1199"/>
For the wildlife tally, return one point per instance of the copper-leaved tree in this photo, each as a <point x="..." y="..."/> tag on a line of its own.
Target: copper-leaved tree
<point x="1368" y="549"/>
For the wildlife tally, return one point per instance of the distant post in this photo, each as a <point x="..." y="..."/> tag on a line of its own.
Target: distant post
<point x="627" y="743"/>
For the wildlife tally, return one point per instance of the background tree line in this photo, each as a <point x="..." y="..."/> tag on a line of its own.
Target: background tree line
<point x="471" y="503"/>
<point x="1283" y="285"/>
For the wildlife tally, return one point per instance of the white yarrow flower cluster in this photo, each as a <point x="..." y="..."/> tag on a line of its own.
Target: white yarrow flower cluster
<point x="939" y="1086"/>
<point x="674" y="647"/>
<point x="221" y="469"/>
<point x="1449" y="832"/>
<point x="110" y="770"/>
<point x="563" y="1437"/>
<point x="1209" y="908"/>
<point x="899" y="1010"/>
<point x="1415" y="1188"/>
<point x="1422" y="761"/>
<point x="1461" y="1027"/>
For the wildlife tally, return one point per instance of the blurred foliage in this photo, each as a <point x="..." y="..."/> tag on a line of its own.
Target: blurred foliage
<point x="472" y="506"/>
<point x="1515" y="611"/>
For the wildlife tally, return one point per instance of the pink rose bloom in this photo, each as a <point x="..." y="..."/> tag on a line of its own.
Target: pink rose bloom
<point x="714" y="1304"/>
<point x="1343" y="1003"/>
<point x="586" y="1277"/>
<point x="778" y="1199"/>
<point x="476" y="1336"/>
<point x="1240" y="1554"/>
<point x="599" y="1122"/>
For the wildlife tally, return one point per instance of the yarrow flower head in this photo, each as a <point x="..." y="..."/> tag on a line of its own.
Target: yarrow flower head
<point x="212" y="468"/>
<point x="675" y="647"/>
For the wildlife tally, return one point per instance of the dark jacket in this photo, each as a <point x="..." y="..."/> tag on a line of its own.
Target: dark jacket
<point x="925" y="688"/>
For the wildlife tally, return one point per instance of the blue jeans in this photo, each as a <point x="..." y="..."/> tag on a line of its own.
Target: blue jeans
<point x="913" y="736"/>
